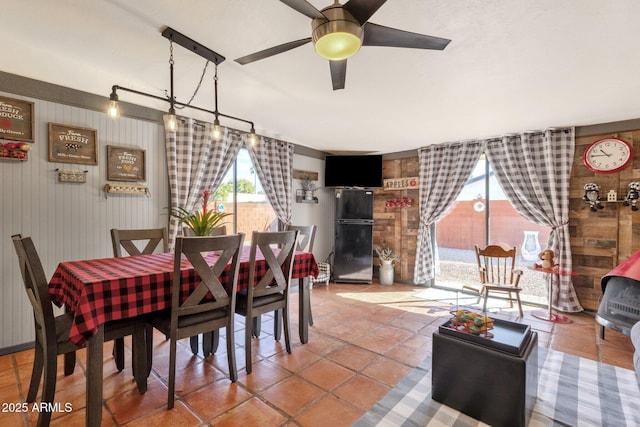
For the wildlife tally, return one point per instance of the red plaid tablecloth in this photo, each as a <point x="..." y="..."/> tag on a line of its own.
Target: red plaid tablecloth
<point x="105" y="289"/>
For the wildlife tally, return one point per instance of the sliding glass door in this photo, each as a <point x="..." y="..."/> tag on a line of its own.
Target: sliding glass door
<point x="482" y="215"/>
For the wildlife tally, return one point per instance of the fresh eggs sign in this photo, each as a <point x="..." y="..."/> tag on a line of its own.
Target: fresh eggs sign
<point x="70" y="144"/>
<point x="16" y="119"/>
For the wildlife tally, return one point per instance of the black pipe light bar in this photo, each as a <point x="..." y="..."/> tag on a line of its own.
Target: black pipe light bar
<point x="200" y="50"/>
<point x="192" y="45"/>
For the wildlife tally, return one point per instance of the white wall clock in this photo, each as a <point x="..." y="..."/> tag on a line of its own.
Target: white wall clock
<point x="608" y="155"/>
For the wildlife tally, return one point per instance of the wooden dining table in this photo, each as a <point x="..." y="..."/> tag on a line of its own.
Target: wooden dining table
<point x="101" y="290"/>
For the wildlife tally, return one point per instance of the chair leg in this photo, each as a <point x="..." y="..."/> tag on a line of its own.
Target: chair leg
<point x="256" y="325"/>
<point x="49" y="384"/>
<point x="247" y="344"/>
<point x="118" y="353"/>
<point x="69" y="363"/>
<point x="519" y="304"/>
<point x="36" y="373"/>
<point x="207" y="343"/>
<point x="139" y="357"/>
<point x="231" y="352"/>
<point x="193" y="341"/>
<point x="172" y="373"/>
<point x="277" y="325"/>
<point x="486" y="297"/>
<point x="287" y="329"/>
<point x="307" y="297"/>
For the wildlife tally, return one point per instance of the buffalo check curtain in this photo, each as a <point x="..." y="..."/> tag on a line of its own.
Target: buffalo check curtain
<point x="534" y="169"/>
<point x="273" y="161"/>
<point x="196" y="162"/>
<point x="443" y="171"/>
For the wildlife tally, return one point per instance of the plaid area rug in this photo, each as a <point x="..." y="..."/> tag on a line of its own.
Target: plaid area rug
<point x="572" y="391"/>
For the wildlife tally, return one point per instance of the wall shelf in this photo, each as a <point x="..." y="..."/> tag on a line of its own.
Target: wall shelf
<point x="126" y="189"/>
<point x="301" y="199"/>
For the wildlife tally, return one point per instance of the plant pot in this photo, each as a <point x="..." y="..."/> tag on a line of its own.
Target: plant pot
<point x="386" y="272"/>
<point x="308" y="195"/>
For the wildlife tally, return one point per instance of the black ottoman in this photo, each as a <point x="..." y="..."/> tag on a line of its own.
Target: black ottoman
<point x="490" y="385"/>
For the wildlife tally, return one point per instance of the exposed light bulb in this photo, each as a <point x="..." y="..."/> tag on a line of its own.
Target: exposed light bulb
<point x="253" y="138"/>
<point x="114" y="110"/>
<point x="217" y="130"/>
<point x="172" y="122"/>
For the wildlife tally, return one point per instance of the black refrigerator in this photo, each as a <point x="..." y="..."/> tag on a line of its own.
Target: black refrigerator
<point x="353" y="260"/>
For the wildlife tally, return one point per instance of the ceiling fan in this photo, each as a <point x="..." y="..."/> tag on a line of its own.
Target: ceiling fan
<point x="338" y="31"/>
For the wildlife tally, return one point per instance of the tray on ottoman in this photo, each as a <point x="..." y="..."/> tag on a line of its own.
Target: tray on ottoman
<point x="510" y="337"/>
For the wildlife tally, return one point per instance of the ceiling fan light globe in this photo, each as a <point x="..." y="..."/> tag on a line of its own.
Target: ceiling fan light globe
<point x="338" y="46"/>
<point x="337" y="39"/>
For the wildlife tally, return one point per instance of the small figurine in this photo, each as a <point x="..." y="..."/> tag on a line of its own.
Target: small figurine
<point x="592" y="196"/>
<point x="632" y="195"/>
<point x="547" y="260"/>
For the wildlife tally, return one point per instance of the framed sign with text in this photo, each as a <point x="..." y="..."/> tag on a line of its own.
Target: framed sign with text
<point x="16" y="119"/>
<point x="71" y="144"/>
<point x="125" y="164"/>
<point x="401" y="183"/>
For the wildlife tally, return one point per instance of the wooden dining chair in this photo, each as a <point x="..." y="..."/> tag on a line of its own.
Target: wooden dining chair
<point x="304" y="243"/>
<point x="270" y="290"/>
<point x="208" y="306"/>
<point x="52" y="332"/>
<point x="210" y="339"/>
<point x="136" y="242"/>
<point x="132" y="240"/>
<point x="496" y="266"/>
<point x="220" y="230"/>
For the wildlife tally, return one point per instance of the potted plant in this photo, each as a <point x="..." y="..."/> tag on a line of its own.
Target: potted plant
<point x="202" y="221"/>
<point x="387" y="256"/>
<point x="308" y="186"/>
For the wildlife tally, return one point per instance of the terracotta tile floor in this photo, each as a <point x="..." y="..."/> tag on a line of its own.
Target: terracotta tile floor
<point x="365" y="339"/>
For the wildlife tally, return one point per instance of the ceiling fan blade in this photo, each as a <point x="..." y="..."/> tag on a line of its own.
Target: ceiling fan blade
<point x="362" y="10"/>
<point x="338" y="73"/>
<point x="272" y="51"/>
<point x="378" y="35"/>
<point x="303" y="7"/>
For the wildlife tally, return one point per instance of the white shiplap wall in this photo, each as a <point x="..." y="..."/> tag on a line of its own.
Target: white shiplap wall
<point x="70" y="221"/>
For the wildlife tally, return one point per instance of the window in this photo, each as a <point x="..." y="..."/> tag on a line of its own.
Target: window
<point x="241" y="194"/>
<point x="482" y="215"/>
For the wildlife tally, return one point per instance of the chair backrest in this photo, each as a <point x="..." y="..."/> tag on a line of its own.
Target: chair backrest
<point x="496" y="263"/>
<point x="306" y="236"/>
<point x="278" y="249"/>
<point x="37" y="288"/>
<point x="217" y="287"/>
<point x="220" y="230"/>
<point x="150" y="237"/>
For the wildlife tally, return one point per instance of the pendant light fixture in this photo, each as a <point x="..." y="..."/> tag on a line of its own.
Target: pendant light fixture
<point x="217" y="131"/>
<point x="172" y="121"/>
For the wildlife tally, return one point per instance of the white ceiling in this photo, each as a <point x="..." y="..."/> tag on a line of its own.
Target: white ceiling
<point x="512" y="65"/>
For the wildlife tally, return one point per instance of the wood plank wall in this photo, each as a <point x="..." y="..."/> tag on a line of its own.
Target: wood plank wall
<point x="68" y="220"/>
<point x="601" y="240"/>
<point x="397" y="227"/>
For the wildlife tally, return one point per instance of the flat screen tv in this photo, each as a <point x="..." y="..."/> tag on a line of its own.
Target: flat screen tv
<point x="363" y="171"/>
